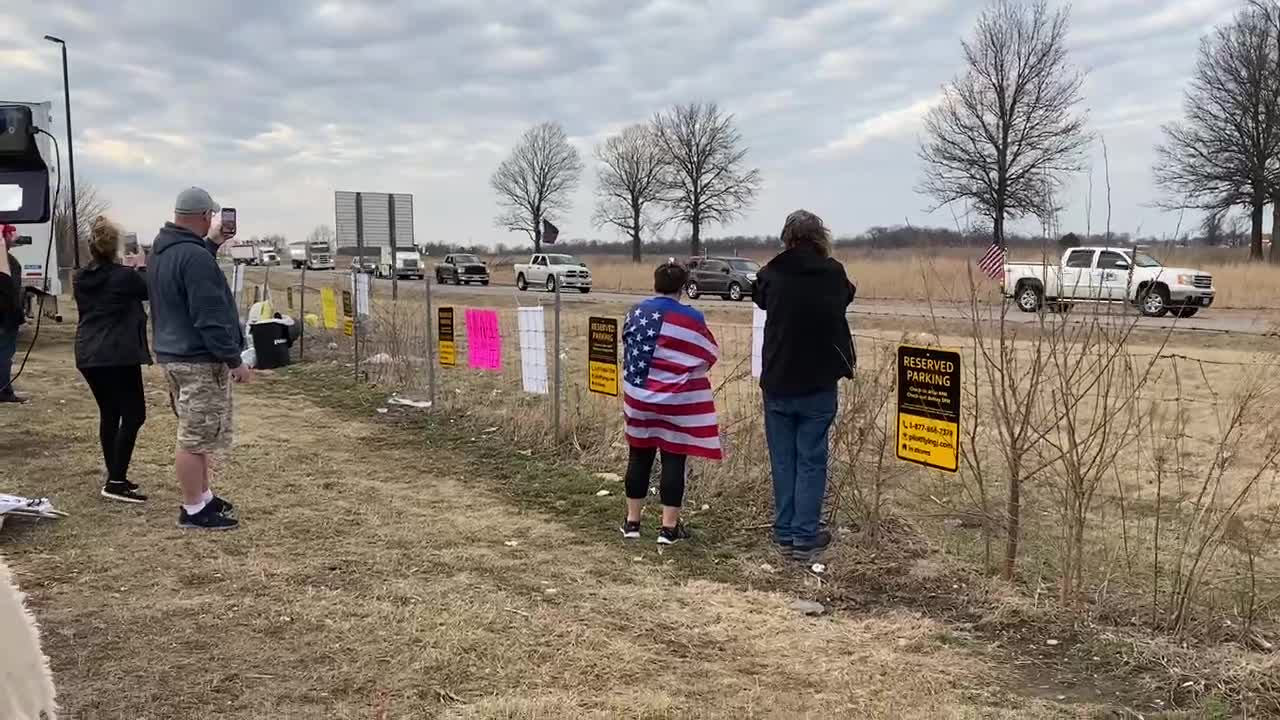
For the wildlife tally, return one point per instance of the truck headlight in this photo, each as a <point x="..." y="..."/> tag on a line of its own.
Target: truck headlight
<point x="1186" y="279"/>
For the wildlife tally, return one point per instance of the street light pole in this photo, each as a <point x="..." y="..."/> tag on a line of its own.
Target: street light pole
<point x="71" y="152"/>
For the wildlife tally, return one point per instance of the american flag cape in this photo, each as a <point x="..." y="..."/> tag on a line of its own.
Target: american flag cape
<point x="667" y="398"/>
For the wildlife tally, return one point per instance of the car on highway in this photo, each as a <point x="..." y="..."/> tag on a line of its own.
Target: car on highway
<point x="1108" y="275"/>
<point x="732" y="278"/>
<point x="462" y="269"/>
<point x="552" y="271"/>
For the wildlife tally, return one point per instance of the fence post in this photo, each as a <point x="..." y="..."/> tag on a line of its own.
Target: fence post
<point x="431" y="344"/>
<point x="555" y="407"/>
<point x="355" y="327"/>
<point x="302" y="318"/>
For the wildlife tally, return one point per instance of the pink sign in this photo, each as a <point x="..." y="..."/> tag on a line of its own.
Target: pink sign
<point x="484" y="344"/>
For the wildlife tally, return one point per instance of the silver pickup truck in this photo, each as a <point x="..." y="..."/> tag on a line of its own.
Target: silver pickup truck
<point x="1108" y="275"/>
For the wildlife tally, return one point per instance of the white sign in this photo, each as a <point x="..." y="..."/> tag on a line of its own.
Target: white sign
<point x="372" y="219"/>
<point x="362" y="294"/>
<point x="533" y="350"/>
<point x="757" y="343"/>
<point x="237" y="279"/>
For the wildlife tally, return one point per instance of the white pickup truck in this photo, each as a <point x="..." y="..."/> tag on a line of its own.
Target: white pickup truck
<point x="548" y="271"/>
<point x="1108" y="275"/>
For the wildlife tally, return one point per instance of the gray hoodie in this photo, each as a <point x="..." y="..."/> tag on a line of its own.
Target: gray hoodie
<point x="193" y="314"/>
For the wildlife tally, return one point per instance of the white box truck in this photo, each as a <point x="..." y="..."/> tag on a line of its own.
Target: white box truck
<point x="311" y="255"/>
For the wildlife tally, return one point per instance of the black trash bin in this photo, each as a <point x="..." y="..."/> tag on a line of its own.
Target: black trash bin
<point x="270" y="343"/>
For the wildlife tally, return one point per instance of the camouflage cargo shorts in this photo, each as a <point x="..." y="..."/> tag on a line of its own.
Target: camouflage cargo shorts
<point x="200" y="394"/>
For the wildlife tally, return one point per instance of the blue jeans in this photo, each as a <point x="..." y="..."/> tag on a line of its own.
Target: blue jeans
<point x="8" y="348"/>
<point x="796" y="429"/>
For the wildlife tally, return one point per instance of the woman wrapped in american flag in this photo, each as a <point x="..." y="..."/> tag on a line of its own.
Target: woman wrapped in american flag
<point x="668" y="402"/>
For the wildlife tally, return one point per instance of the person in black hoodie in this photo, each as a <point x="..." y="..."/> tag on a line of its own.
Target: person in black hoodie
<point x="12" y="315"/>
<point x="111" y="348"/>
<point x="807" y="350"/>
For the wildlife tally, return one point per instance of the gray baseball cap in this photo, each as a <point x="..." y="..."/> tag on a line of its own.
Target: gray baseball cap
<point x="194" y="201"/>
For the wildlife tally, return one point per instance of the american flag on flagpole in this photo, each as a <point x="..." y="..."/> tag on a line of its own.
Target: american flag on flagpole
<point x="667" y="397"/>
<point x="992" y="262"/>
<point x="550" y="233"/>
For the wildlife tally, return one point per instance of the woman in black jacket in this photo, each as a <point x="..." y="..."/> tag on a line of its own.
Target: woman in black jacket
<point x="111" y="348"/>
<point x="807" y="350"/>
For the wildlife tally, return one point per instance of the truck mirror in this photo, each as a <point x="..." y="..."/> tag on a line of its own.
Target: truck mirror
<point x="24" y="176"/>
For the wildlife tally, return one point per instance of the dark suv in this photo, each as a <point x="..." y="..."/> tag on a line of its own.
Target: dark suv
<point x="733" y="278"/>
<point x="462" y="269"/>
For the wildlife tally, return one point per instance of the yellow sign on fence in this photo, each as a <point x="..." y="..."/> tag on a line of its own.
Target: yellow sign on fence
<point x="602" y="356"/>
<point x="329" y="308"/>
<point x="444" y="328"/>
<point x="348" y="327"/>
<point x="929" y="407"/>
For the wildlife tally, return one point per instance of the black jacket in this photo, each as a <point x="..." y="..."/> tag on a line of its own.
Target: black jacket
<point x="11" y="315"/>
<point x="113" y="326"/>
<point x="807" y="344"/>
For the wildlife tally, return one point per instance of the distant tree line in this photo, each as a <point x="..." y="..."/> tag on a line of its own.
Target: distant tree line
<point x="899" y="237"/>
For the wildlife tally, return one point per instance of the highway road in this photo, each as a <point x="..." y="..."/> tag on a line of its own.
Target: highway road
<point x="1210" y="321"/>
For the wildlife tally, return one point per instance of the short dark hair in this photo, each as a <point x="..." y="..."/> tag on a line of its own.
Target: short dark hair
<point x="670" y="278"/>
<point x="804" y="228"/>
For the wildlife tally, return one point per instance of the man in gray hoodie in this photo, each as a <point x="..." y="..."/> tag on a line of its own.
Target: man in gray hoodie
<point x="198" y="340"/>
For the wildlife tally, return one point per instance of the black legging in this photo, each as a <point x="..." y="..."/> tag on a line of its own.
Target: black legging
<point x="671" y="485"/>
<point x="122" y="409"/>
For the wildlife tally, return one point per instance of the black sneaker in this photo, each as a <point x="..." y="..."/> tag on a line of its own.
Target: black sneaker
<point x="122" y="492"/>
<point x="12" y="398"/>
<point x="128" y="484"/>
<point x="206" y="519"/>
<point x="630" y="530"/>
<point x="671" y="536"/>
<point x="807" y="553"/>
<point x="220" y="506"/>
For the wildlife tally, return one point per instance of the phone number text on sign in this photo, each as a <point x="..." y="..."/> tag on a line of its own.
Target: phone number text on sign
<point x="929" y="407"/>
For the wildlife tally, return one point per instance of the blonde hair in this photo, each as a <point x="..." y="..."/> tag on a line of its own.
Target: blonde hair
<point x="104" y="241"/>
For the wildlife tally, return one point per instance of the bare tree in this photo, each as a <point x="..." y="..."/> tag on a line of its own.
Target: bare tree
<point x="321" y="234"/>
<point x="1225" y="151"/>
<point x="1007" y="130"/>
<point x="629" y="180"/>
<point x="536" y="181"/>
<point x="707" y="180"/>
<point x="1269" y="12"/>
<point x="89" y="205"/>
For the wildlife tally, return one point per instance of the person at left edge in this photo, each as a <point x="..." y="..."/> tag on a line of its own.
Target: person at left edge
<point x="12" y="315"/>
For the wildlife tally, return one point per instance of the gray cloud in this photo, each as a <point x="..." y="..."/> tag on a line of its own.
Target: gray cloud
<point x="274" y="105"/>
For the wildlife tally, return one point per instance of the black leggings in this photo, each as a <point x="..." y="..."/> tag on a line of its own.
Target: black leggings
<point x="671" y="486"/>
<point x="122" y="409"/>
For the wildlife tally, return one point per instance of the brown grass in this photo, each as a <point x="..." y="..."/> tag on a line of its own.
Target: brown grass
<point x="372" y="580"/>
<point x="943" y="274"/>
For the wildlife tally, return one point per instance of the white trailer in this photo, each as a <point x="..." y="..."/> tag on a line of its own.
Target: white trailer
<point x="37" y="252"/>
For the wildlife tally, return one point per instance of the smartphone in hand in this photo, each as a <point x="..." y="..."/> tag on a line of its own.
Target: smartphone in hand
<point x="228" y="223"/>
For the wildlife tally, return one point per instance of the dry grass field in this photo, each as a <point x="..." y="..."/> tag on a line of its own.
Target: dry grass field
<point x="460" y="563"/>
<point x="944" y="274"/>
<point x="391" y="569"/>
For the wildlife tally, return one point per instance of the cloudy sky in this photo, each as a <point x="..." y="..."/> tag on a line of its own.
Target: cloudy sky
<point x="274" y="105"/>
